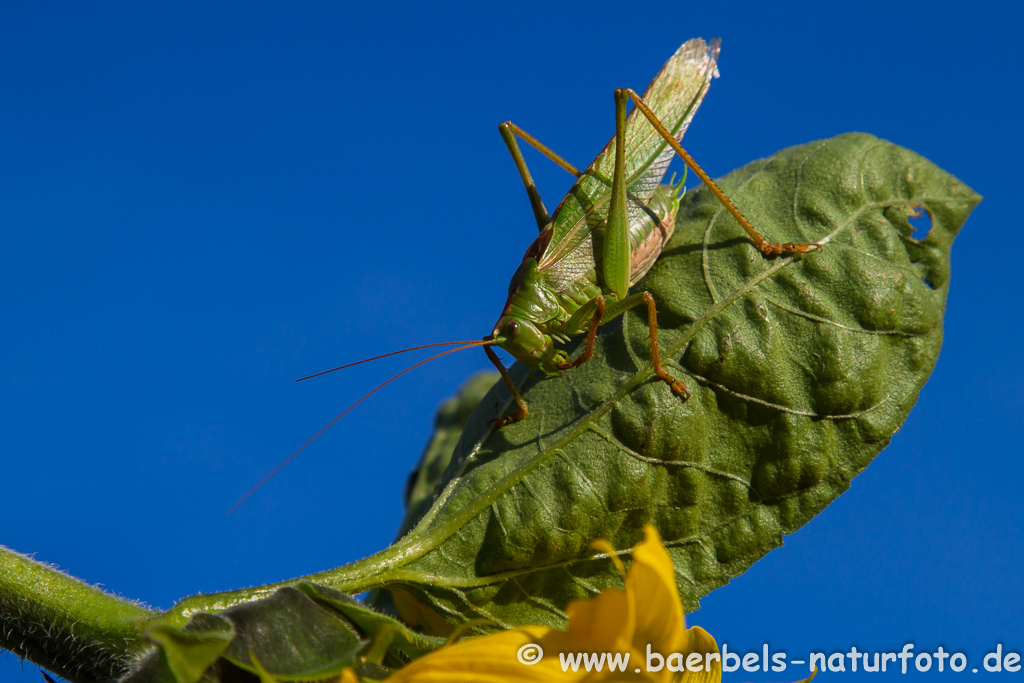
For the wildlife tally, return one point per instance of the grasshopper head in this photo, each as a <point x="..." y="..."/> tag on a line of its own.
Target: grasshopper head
<point x="528" y="344"/>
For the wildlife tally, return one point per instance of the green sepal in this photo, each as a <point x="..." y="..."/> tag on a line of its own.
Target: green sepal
<point x="184" y="655"/>
<point x="294" y="638"/>
<point x="372" y="623"/>
<point x="286" y="636"/>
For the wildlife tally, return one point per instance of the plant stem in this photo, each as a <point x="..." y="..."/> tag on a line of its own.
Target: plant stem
<point x="66" y="626"/>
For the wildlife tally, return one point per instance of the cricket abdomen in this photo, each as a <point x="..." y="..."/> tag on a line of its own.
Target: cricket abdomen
<point x="649" y="236"/>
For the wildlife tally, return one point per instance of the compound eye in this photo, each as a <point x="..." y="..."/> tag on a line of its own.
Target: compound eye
<point x="512" y="328"/>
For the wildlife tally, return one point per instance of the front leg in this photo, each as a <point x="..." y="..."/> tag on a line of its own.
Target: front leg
<point x="516" y="396"/>
<point x="588" y="350"/>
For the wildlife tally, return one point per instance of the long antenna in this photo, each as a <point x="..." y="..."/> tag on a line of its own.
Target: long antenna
<point x="257" y="487"/>
<point x="385" y="355"/>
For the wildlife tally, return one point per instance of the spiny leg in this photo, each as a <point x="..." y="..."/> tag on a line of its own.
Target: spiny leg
<point x="617" y="307"/>
<point x="678" y="388"/>
<point x="767" y="248"/>
<point x="509" y="131"/>
<point x="588" y="350"/>
<point x="516" y="396"/>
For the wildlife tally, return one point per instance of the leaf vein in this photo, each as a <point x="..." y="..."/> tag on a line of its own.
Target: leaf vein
<point x="666" y="463"/>
<point x="818" y="318"/>
<point x="538" y="601"/>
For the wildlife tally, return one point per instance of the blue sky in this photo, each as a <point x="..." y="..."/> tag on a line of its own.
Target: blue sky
<point x="200" y="203"/>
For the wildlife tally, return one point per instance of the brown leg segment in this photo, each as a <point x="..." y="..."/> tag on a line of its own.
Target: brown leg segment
<point x="678" y="388"/>
<point x="539" y="146"/>
<point x="509" y="131"/>
<point x="516" y="396"/>
<point x="588" y="350"/>
<point x="764" y="246"/>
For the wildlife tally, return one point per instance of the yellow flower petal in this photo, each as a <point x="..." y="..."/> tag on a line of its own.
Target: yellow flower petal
<point x="489" y="659"/>
<point x="696" y="639"/>
<point x="606" y="621"/>
<point x="652" y="583"/>
<point x="348" y="676"/>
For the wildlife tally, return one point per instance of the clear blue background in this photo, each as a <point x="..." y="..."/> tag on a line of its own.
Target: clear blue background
<point x="200" y="203"/>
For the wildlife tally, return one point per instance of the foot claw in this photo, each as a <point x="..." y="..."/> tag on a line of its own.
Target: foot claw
<point x="500" y="422"/>
<point x="679" y="389"/>
<point x="777" y="249"/>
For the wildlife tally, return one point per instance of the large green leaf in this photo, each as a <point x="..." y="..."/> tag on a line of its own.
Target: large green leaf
<point x="801" y="370"/>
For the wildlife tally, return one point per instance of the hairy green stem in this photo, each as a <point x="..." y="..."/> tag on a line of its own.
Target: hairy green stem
<point x="66" y="626"/>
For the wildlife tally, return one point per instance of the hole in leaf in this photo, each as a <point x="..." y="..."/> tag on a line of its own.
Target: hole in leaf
<point x="921" y="222"/>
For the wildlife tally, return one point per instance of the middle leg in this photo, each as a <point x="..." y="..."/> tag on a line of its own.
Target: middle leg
<point x="616" y="308"/>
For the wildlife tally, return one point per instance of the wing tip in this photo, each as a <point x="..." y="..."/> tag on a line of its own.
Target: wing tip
<point x="697" y="50"/>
